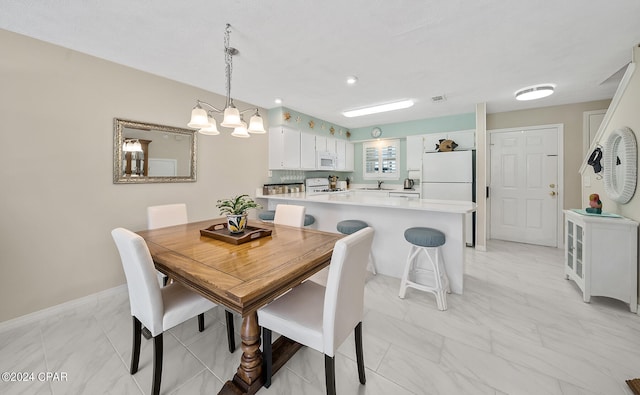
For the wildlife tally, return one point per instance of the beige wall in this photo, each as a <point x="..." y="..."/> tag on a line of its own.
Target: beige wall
<point x="570" y="116"/>
<point x="58" y="202"/>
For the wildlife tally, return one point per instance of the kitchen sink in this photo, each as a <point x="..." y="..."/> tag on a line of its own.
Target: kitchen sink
<point x="376" y="189"/>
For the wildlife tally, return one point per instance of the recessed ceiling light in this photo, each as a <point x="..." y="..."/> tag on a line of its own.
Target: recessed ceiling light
<point x="352" y="79"/>
<point x="380" y="108"/>
<point x="278" y="100"/>
<point x="535" y="92"/>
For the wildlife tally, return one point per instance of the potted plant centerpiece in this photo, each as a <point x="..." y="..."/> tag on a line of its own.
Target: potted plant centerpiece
<point x="236" y="211"/>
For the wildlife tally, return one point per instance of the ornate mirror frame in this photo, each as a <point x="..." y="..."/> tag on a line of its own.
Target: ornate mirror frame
<point x="620" y="165"/>
<point x="119" y="157"/>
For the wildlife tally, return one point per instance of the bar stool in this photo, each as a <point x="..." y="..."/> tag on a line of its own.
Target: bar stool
<point x="267" y="216"/>
<point x="349" y="226"/>
<point x="428" y="240"/>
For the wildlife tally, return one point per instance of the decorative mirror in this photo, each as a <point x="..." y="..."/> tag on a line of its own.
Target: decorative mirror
<point x="620" y="165"/>
<point x="149" y="153"/>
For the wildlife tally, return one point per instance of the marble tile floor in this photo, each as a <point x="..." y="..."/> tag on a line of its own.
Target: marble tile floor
<point x="519" y="328"/>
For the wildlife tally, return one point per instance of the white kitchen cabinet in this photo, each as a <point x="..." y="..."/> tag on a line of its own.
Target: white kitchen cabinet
<point x="307" y="151"/>
<point x="344" y="152"/>
<point x="349" y="159"/>
<point x="341" y="153"/>
<point x="601" y="256"/>
<point x="284" y="148"/>
<point x="321" y="143"/>
<point x="414" y="152"/>
<point x="331" y="145"/>
<point x="466" y="140"/>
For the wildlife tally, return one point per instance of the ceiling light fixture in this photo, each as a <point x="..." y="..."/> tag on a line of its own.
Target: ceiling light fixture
<point x="380" y="108"/>
<point x="352" y="79"/>
<point x="203" y="119"/>
<point x="535" y="92"/>
<point x="278" y="100"/>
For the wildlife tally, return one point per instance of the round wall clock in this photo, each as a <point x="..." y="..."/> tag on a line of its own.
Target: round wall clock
<point x="376" y="132"/>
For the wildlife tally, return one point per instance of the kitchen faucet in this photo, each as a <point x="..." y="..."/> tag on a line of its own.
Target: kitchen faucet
<point x="380" y="184"/>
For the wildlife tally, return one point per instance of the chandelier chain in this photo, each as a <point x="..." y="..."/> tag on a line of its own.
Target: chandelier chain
<point x="228" y="60"/>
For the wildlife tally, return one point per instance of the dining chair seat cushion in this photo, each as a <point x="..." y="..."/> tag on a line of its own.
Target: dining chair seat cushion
<point x="350" y="226"/>
<point x="267" y="215"/>
<point x="181" y="304"/>
<point x="424" y="237"/>
<point x="298" y="315"/>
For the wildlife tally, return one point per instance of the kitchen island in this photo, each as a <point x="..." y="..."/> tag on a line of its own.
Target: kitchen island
<point x="389" y="216"/>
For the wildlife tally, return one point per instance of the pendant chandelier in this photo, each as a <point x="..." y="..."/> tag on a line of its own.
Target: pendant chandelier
<point x="203" y="119"/>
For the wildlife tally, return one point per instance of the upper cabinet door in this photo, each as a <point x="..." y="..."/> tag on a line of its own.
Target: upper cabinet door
<point x="284" y="148"/>
<point x="466" y="139"/>
<point x="307" y="151"/>
<point x="414" y="152"/>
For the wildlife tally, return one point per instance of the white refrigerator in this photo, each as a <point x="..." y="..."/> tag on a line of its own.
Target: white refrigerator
<point x="450" y="176"/>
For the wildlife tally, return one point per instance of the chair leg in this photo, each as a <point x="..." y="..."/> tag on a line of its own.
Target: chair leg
<point x="267" y="357"/>
<point x="330" y="374"/>
<point x="135" y="351"/>
<point x="200" y="322"/>
<point x="157" y="364"/>
<point x="359" y="356"/>
<point x="230" y="335"/>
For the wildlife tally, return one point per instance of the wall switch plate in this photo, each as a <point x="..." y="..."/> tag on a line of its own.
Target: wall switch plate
<point x="269" y="173"/>
<point x="586" y="181"/>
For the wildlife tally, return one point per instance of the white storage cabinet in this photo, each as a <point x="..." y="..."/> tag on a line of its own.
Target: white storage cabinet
<point x="601" y="256"/>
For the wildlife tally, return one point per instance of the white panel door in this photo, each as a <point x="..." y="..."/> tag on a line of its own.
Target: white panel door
<point x="523" y="189"/>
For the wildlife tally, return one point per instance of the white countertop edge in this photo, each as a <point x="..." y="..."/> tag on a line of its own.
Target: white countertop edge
<point x="346" y="198"/>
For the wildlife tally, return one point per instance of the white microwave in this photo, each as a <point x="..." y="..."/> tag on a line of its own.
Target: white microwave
<point x="326" y="160"/>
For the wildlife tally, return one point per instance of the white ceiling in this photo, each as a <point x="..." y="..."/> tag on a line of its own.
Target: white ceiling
<point x="303" y="50"/>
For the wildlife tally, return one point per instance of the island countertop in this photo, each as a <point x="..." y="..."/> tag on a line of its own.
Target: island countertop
<point x="363" y="199"/>
<point x="389" y="216"/>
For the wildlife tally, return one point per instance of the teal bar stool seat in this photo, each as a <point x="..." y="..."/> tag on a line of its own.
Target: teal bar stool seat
<point x="427" y="274"/>
<point x="349" y="226"/>
<point x="267" y="216"/>
<point x="309" y="220"/>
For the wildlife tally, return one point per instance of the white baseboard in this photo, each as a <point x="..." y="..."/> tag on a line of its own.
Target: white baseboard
<point x="58" y="309"/>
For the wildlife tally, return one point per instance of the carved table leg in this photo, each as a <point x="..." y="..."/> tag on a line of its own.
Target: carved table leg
<point x="248" y="378"/>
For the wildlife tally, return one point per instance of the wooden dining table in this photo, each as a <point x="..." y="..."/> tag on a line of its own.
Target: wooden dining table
<point x="242" y="278"/>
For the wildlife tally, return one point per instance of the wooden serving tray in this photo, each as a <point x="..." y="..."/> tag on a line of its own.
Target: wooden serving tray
<point x="220" y="232"/>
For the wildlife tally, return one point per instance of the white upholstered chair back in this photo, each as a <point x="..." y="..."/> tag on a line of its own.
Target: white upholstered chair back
<point x="344" y="295"/>
<point x="166" y="215"/>
<point x="288" y="214"/>
<point x="145" y="296"/>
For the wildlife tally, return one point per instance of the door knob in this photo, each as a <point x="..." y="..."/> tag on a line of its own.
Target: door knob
<point x="552" y="193"/>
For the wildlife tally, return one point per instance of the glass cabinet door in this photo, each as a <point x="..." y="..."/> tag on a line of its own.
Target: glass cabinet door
<point x="578" y="236"/>
<point x="570" y="244"/>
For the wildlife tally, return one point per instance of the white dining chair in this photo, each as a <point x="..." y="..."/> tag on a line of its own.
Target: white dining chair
<point x="319" y="317"/>
<point x="157" y="308"/>
<point x="166" y="215"/>
<point x="176" y="214"/>
<point x="289" y="214"/>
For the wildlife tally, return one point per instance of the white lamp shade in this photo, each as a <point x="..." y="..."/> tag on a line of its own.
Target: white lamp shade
<point x="255" y="125"/>
<point x="231" y="118"/>
<point x="199" y="119"/>
<point x="212" y="129"/>
<point x="137" y="147"/>
<point x="127" y="147"/>
<point x="241" y="131"/>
